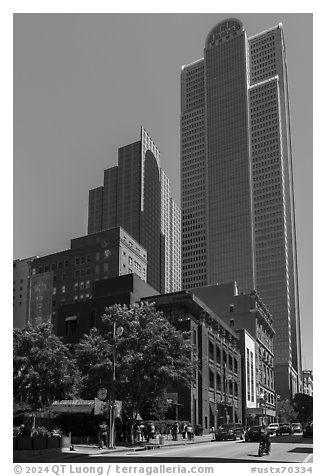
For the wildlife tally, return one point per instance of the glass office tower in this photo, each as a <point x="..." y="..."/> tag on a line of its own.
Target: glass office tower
<point x="237" y="195"/>
<point x="136" y="195"/>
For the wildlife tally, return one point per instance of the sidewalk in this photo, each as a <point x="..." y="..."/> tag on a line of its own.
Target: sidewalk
<point x="140" y="446"/>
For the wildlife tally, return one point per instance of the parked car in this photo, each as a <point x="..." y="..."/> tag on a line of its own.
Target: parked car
<point x="229" y="431"/>
<point x="253" y="433"/>
<point x="308" y="430"/>
<point x="272" y="428"/>
<point x="296" y="428"/>
<point x="284" y="428"/>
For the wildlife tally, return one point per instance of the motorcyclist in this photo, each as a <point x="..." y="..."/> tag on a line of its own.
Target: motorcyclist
<point x="265" y="439"/>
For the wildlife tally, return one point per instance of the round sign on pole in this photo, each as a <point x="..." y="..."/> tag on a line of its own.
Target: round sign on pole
<point x="119" y="331"/>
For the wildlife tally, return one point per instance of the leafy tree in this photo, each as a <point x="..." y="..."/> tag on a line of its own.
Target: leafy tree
<point x="94" y="358"/>
<point x="43" y="367"/>
<point x="285" y="411"/>
<point x="156" y="409"/>
<point x="150" y="355"/>
<point x="303" y="405"/>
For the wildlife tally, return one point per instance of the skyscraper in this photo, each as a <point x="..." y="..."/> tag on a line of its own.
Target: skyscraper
<point x="237" y="195"/>
<point x="136" y="196"/>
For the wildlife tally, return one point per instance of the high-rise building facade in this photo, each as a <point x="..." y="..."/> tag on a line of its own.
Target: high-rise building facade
<point x="237" y="194"/>
<point x="136" y="196"/>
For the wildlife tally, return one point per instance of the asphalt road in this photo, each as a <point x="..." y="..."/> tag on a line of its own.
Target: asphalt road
<point x="285" y="449"/>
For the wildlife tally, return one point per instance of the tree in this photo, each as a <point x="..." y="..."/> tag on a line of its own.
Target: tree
<point x="43" y="367"/>
<point x="94" y="359"/>
<point x="303" y="405"/>
<point x="285" y="411"/>
<point x="150" y="354"/>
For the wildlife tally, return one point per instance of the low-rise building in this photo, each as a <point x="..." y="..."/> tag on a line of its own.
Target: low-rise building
<point x="215" y="395"/>
<point x="68" y="276"/>
<point x="77" y="319"/>
<point x="21" y="291"/>
<point x="248" y="312"/>
<point x="308" y="383"/>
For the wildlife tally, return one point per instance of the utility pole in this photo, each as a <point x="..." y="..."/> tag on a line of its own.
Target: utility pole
<point x="117" y="332"/>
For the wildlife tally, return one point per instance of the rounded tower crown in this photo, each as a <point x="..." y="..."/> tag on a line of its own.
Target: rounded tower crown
<point x="224" y="31"/>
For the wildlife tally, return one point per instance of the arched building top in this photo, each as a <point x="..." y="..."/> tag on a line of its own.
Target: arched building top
<point x="225" y="30"/>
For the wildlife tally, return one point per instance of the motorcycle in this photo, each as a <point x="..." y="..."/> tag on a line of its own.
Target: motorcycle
<point x="264" y="448"/>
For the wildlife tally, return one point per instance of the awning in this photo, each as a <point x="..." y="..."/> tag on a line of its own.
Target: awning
<point x="71" y="318"/>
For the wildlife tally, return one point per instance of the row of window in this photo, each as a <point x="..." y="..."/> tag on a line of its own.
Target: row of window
<point x="51" y="267"/>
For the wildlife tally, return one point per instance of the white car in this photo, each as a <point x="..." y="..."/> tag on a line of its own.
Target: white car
<point x="272" y="428"/>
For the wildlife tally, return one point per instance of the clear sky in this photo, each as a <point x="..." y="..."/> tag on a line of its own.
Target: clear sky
<point x="83" y="86"/>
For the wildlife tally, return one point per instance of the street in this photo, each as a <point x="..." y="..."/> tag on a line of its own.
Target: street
<point x="285" y="449"/>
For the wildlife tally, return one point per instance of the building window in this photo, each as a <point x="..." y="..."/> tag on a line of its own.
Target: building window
<point x="88" y="284"/>
<point x="211" y="378"/>
<point x="54" y="291"/>
<point x="75" y="286"/>
<point x="105" y="267"/>
<point x="71" y="325"/>
<point x="76" y="261"/>
<point x="81" y="285"/>
<point x="63" y="289"/>
<point x="210" y="350"/>
<point x="218" y="382"/>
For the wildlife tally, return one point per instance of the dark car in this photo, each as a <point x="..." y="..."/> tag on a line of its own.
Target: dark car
<point x="229" y="431"/>
<point x="253" y="433"/>
<point x="284" y="429"/>
<point x="308" y="430"/>
<point x="296" y="428"/>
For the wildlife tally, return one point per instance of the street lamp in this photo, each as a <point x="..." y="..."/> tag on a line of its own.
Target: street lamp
<point x="117" y="332"/>
<point x="263" y="399"/>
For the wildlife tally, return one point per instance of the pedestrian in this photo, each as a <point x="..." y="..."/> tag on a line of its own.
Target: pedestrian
<point x="190" y="432"/>
<point x="103" y="435"/>
<point x="175" y="431"/>
<point x="184" y="430"/>
<point x="142" y="431"/>
<point x="137" y="433"/>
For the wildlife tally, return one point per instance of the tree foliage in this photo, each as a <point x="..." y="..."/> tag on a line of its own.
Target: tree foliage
<point x="285" y="411"/>
<point x="150" y="355"/>
<point x="43" y="367"/>
<point x="94" y="359"/>
<point x="303" y="405"/>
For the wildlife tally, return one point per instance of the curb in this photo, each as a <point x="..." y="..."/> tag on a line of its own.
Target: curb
<point x="153" y="447"/>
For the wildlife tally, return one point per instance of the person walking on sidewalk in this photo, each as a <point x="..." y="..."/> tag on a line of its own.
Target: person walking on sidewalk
<point x="103" y="435"/>
<point x="190" y="433"/>
<point x="175" y="431"/>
